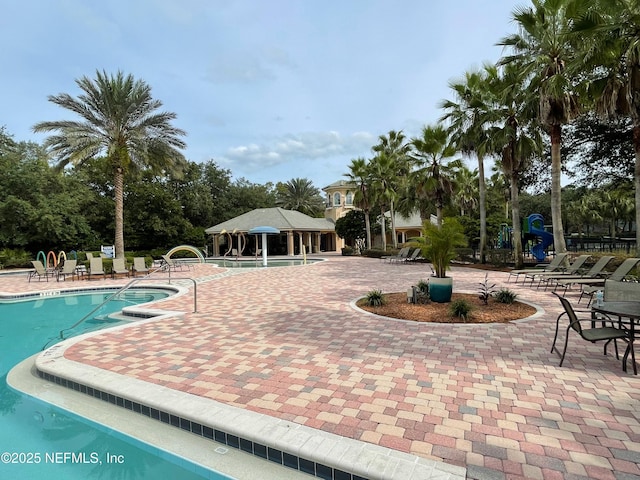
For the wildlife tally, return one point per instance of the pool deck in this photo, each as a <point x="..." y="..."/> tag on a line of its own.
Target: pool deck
<point x="286" y="344"/>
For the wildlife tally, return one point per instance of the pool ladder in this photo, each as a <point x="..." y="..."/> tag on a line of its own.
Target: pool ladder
<point x="123" y="289"/>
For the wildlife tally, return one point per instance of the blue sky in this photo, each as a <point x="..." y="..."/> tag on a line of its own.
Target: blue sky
<point x="269" y="89"/>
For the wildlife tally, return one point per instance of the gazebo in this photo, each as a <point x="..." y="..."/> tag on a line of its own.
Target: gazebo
<point x="313" y="234"/>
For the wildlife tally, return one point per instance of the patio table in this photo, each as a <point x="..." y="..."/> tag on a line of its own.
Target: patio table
<point x="630" y="311"/>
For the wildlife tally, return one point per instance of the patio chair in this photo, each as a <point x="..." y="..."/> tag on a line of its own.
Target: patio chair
<point x="68" y="268"/>
<point x="119" y="268"/>
<point x="415" y="255"/>
<point x="591" y="285"/>
<point x="572" y="269"/>
<point x="39" y="271"/>
<point x="96" y="267"/>
<point x="170" y="264"/>
<point x="594" y="334"/>
<point x="139" y="266"/>
<point x="401" y="255"/>
<point x="555" y="265"/>
<point x="594" y="272"/>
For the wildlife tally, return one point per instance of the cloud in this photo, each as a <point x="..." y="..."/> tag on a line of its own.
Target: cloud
<point x="298" y="147"/>
<point x="248" y="66"/>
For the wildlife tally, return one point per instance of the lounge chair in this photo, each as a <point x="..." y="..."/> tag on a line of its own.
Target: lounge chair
<point x="590" y="285"/>
<point x="68" y="268"/>
<point x="556" y="265"/>
<point x="593" y="334"/>
<point x="572" y="269"/>
<point x="119" y="268"/>
<point x="96" y="267"/>
<point x="39" y="271"/>
<point x="174" y="265"/>
<point x="594" y="272"/>
<point x="401" y="255"/>
<point x="139" y="266"/>
<point x="413" y="256"/>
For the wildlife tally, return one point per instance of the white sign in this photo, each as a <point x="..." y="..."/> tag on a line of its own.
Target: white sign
<point x="108" y="250"/>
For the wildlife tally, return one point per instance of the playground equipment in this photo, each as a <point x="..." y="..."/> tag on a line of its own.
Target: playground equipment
<point x="504" y="236"/>
<point x="534" y="226"/>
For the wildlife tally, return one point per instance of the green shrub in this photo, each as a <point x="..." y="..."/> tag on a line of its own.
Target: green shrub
<point x="374" y="253"/>
<point x="423" y="286"/>
<point x="375" y="298"/>
<point x="15" y="258"/>
<point x="460" y="308"/>
<point x="504" y="295"/>
<point x="346" y="251"/>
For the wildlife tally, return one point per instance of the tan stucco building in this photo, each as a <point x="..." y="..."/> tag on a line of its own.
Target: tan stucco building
<point x="339" y="201"/>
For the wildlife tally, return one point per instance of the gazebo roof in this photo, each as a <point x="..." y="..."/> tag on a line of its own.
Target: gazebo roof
<point x="283" y="220"/>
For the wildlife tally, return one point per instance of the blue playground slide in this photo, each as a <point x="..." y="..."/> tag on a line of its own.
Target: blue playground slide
<point x="536" y="227"/>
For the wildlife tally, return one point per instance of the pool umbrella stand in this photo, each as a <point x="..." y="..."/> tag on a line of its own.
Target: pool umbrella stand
<point x="264" y="231"/>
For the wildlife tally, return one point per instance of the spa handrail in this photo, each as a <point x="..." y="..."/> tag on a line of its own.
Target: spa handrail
<point x="126" y="287"/>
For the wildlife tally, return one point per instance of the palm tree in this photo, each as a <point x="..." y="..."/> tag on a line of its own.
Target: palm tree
<point x="436" y="174"/>
<point x="466" y="194"/>
<point x="299" y="194"/>
<point x="359" y="175"/>
<point x="608" y="36"/>
<point x="394" y="145"/>
<point x="382" y="169"/>
<point x="542" y="49"/>
<point x="512" y="136"/>
<point x="119" y="119"/>
<point x="468" y="129"/>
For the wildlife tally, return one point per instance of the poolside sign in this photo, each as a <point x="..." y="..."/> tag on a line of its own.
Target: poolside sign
<point x="108" y="250"/>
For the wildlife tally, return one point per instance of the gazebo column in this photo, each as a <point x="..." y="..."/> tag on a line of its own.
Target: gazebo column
<point x="290" y="244"/>
<point x="316" y="247"/>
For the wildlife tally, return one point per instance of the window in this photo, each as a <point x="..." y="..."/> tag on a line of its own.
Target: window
<point x="336" y="199"/>
<point x="349" y="199"/>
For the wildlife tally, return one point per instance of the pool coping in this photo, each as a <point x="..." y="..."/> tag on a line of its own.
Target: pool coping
<point x="358" y="458"/>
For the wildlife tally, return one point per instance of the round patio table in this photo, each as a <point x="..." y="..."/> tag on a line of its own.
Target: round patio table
<point x="628" y="313"/>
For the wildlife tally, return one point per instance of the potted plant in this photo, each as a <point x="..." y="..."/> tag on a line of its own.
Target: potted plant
<point x="438" y="245"/>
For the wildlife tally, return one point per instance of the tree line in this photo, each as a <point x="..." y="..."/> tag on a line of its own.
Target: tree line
<point x="570" y="67"/>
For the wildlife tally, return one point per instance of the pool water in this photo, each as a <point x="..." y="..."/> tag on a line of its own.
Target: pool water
<point x="38" y="440"/>
<point x="258" y="263"/>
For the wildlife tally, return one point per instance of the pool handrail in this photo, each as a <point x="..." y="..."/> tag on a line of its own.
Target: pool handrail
<point x="126" y="287"/>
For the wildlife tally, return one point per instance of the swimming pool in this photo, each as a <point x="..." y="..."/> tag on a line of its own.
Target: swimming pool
<point x="38" y="440"/>
<point x="258" y="263"/>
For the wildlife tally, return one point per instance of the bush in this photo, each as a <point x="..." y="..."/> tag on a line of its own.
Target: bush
<point x="347" y="251"/>
<point x="15" y="258"/>
<point x="374" y="253"/>
<point x="375" y="298"/>
<point x="504" y="295"/>
<point x="460" y="308"/>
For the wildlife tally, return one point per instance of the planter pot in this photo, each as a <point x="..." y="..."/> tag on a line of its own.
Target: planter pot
<point x="440" y="289"/>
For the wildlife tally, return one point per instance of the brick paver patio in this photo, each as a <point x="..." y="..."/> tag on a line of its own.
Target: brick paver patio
<point x="286" y="342"/>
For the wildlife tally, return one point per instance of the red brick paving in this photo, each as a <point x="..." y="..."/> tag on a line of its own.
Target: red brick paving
<point x="285" y="342"/>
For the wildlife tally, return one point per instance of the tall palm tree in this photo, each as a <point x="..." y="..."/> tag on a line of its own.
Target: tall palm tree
<point x="608" y="40"/>
<point x="436" y="172"/>
<point x="299" y="194"/>
<point x="468" y="128"/>
<point x="382" y="169"/>
<point x="512" y="136"/>
<point x="359" y="174"/>
<point x="394" y="145"/>
<point x="542" y="49"/>
<point x="119" y="119"/>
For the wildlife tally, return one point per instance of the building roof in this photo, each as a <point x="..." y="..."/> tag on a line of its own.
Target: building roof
<point x="283" y="220"/>
<point x="340" y="184"/>
<point x="414" y="220"/>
